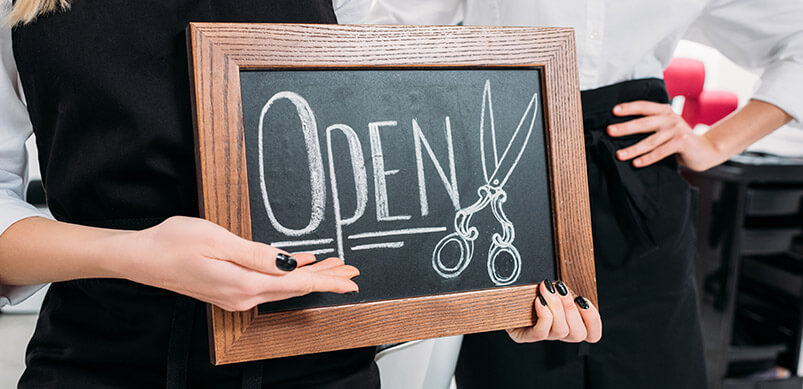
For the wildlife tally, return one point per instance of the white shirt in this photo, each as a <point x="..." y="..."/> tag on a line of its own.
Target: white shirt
<point x="15" y="129"/>
<point x="619" y="40"/>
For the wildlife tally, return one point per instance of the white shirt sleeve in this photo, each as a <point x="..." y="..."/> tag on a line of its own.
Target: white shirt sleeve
<point x="435" y="12"/>
<point x="765" y="35"/>
<point x="351" y="11"/>
<point x="15" y="129"/>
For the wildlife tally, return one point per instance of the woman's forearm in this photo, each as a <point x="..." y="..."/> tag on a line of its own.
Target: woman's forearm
<point x="752" y="122"/>
<point x="38" y="250"/>
<point x="186" y="255"/>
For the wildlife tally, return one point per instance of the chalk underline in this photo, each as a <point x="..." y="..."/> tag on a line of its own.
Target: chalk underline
<point x="407" y="231"/>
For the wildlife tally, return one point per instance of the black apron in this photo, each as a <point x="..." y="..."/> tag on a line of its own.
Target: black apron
<point x="644" y="236"/>
<point x="108" y="94"/>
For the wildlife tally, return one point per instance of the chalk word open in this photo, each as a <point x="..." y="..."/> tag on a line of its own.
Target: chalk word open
<point x="309" y="129"/>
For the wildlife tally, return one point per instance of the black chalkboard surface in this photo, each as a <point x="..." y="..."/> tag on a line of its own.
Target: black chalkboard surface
<point x="384" y="168"/>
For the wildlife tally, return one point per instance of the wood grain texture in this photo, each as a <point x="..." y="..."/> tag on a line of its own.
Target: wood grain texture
<point x="220" y="51"/>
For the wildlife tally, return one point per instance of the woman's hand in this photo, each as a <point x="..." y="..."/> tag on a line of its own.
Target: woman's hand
<point x="561" y="316"/>
<point x="669" y="135"/>
<point x="200" y="259"/>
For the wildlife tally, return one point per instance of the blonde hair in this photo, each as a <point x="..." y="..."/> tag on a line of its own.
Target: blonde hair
<point x="25" y="11"/>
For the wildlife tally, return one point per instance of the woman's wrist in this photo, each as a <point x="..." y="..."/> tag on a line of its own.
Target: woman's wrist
<point x="115" y="254"/>
<point x="718" y="152"/>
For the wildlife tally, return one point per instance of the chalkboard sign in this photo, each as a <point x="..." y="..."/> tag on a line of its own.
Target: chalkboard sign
<point x="447" y="166"/>
<point x="379" y="167"/>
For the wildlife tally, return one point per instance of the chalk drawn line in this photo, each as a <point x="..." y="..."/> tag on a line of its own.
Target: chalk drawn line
<point x="406" y="231"/>
<point x="296" y="243"/>
<point x="316" y="252"/>
<point x="387" y="245"/>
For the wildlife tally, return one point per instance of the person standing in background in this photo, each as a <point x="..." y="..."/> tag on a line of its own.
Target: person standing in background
<point x="642" y="210"/>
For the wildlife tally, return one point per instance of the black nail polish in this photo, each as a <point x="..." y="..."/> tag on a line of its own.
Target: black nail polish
<point x="549" y="286"/>
<point x="285" y="262"/>
<point x="561" y="288"/>
<point x="541" y="299"/>
<point x="582" y="302"/>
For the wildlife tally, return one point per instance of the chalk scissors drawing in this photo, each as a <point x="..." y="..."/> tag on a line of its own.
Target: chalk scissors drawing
<point x="493" y="194"/>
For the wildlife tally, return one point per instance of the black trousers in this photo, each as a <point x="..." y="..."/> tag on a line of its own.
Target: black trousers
<point x="644" y="237"/>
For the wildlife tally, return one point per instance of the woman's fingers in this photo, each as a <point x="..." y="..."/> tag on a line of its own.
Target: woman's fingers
<point x="644" y="146"/>
<point x="335" y="284"/>
<point x="560" y="316"/>
<point x="539" y="331"/>
<point x="345" y="271"/>
<point x="657" y="154"/>
<point x="543" y="326"/>
<point x="671" y="134"/>
<point x="327" y="276"/>
<point x="303" y="259"/>
<point x="325" y="264"/>
<point x="638" y="126"/>
<point x="577" y="328"/>
<point x="256" y="288"/>
<point x="641" y="108"/>
<point x="265" y="259"/>
<point x="560" y="328"/>
<point x="337" y="280"/>
<point x="259" y="257"/>
<point x="590" y="315"/>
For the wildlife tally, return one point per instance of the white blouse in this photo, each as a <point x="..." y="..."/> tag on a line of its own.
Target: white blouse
<point x="619" y="40"/>
<point x="15" y="129"/>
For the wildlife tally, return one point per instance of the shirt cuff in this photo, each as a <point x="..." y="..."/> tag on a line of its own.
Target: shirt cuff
<point x="779" y="87"/>
<point x="13" y="294"/>
<point x="14" y="210"/>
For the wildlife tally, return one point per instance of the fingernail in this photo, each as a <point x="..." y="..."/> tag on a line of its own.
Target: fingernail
<point x="353" y="293"/>
<point x="637" y="163"/>
<point x="285" y="262"/>
<point x="622" y="154"/>
<point x="561" y="288"/>
<point x="549" y="286"/>
<point x="582" y="302"/>
<point x="541" y="299"/>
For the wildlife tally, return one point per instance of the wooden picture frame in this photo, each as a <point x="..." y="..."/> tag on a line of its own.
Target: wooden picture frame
<point x="220" y="51"/>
